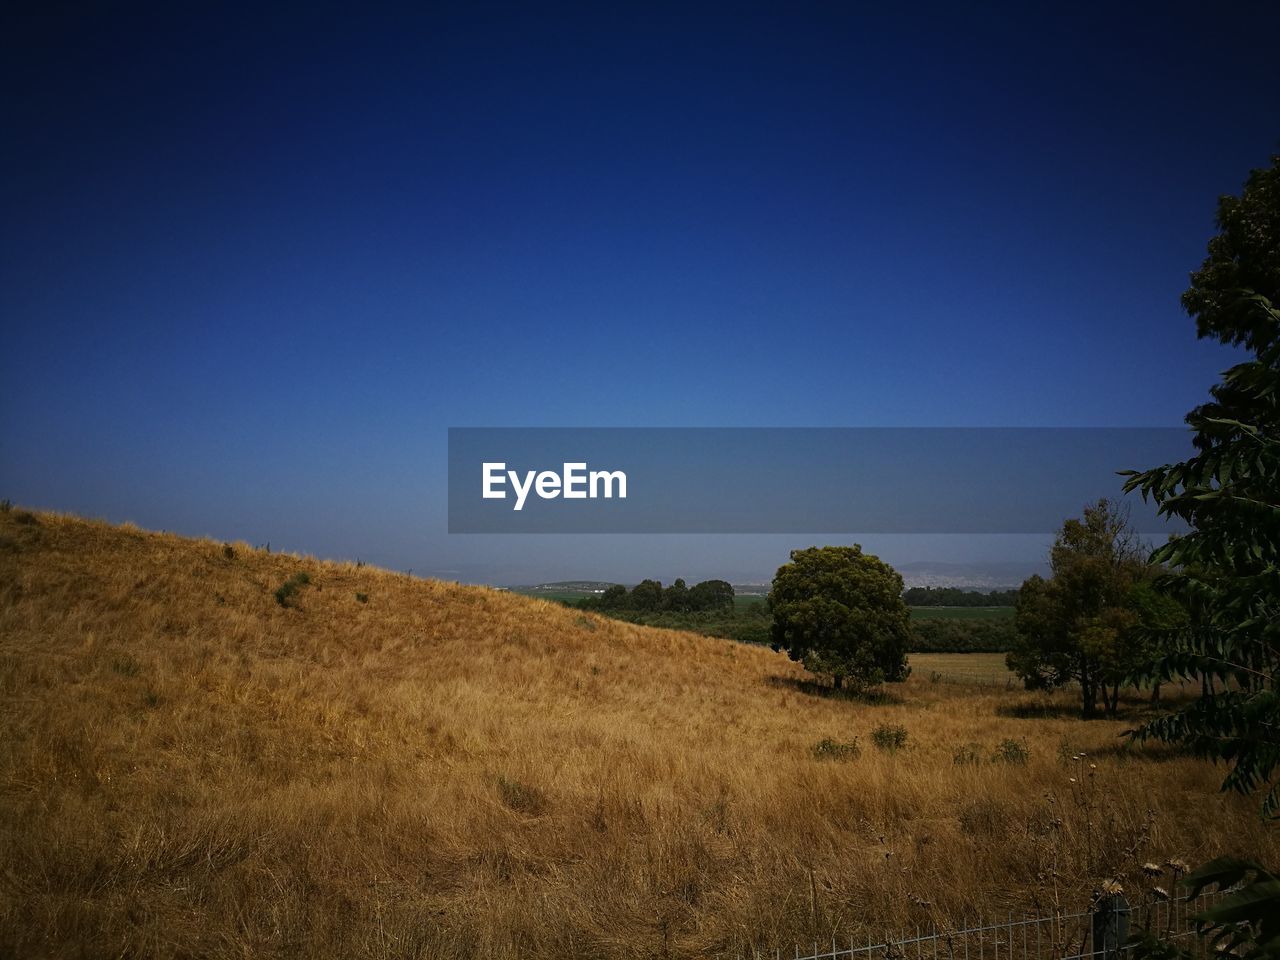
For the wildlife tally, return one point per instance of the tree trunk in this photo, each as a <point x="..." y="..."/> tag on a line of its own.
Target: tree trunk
<point x="1088" y="691"/>
<point x="837" y="681"/>
<point x="1114" y="706"/>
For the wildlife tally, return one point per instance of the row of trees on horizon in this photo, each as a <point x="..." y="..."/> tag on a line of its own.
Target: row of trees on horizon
<point x="650" y="596"/>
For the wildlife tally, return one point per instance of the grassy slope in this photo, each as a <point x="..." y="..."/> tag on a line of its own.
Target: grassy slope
<point x="188" y="768"/>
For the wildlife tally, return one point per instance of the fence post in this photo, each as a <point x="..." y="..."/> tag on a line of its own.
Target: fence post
<point x="1110" y="926"/>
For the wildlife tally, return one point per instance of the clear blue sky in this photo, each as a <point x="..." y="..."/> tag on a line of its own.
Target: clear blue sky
<point x="255" y="263"/>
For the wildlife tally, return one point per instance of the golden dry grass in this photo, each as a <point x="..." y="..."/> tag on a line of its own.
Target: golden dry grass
<point x="190" y="769"/>
<point x="977" y="667"/>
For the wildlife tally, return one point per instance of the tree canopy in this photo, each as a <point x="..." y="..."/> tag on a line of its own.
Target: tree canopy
<point x="1243" y="261"/>
<point x="958" y="597"/>
<point x="1226" y="570"/>
<point x="1083" y="624"/>
<point x="649" y="596"/>
<point x="840" y="612"/>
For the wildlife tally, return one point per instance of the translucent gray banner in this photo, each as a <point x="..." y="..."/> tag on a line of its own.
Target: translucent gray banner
<point x="795" y="480"/>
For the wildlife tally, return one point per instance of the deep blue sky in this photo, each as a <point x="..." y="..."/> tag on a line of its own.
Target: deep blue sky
<point x="254" y="265"/>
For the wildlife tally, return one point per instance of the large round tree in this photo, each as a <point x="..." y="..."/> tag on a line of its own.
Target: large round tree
<point x="840" y="612"/>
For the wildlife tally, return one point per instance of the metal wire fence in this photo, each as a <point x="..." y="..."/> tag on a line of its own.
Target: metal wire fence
<point x="1096" y="934"/>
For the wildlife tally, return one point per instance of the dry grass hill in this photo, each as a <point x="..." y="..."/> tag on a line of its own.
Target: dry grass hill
<point x="386" y="766"/>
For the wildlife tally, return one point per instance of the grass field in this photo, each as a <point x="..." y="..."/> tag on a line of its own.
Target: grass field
<point x="979" y="667"/>
<point x="385" y="766"/>
<point x="962" y="613"/>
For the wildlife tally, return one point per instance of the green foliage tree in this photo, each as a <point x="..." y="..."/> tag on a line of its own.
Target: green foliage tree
<point x="615" y="597"/>
<point x="1080" y="625"/>
<point x="676" y="597"/>
<point x="1226" y="570"/>
<point x="956" y="597"/>
<point x="707" y="607"/>
<point x="716" y="595"/>
<point x="1157" y="615"/>
<point x="840" y="612"/>
<point x="1042" y="652"/>
<point x="647" y="595"/>
<point x="1243" y="262"/>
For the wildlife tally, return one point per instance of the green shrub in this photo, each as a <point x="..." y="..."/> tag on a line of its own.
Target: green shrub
<point x="1011" y="751"/>
<point x="828" y="749"/>
<point x="6" y="505"/>
<point x="291" y="586"/>
<point x="962" y="635"/>
<point x="228" y="551"/>
<point x="889" y="737"/>
<point x="362" y="597"/>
